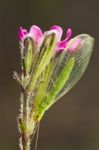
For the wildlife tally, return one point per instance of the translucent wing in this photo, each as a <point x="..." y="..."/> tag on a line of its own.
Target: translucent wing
<point x="82" y="57"/>
<point x="57" y="87"/>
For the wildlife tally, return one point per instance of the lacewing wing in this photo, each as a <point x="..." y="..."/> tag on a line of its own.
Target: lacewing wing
<point x="81" y="58"/>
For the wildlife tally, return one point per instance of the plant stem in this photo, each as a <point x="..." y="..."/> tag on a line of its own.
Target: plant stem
<point x="25" y="137"/>
<point x="26" y="140"/>
<point x="25" y="123"/>
<point x="25" y="143"/>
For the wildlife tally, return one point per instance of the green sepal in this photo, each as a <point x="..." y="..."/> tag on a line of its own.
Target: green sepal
<point x="29" y="55"/>
<point x="48" y="47"/>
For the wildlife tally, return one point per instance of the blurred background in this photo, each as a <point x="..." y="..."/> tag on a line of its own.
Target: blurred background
<point x="73" y="122"/>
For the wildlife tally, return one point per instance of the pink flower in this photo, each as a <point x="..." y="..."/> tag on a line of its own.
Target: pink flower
<point x="38" y="36"/>
<point x="35" y="33"/>
<point x="22" y="33"/>
<point x="58" y="30"/>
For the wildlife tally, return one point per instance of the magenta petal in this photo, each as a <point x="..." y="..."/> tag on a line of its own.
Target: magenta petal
<point x="58" y="31"/>
<point x="62" y="45"/>
<point x="68" y="34"/>
<point x="76" y="44"/>
<point x="36" y="33"/>
<point x="22" y="33"/>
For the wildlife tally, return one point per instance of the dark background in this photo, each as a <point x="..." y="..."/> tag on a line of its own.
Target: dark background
<point x="73" y="122"/>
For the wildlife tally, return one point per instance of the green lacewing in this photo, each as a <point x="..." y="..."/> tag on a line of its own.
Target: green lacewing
<point x="64" y="71"/>
<point x="81" y="59"/>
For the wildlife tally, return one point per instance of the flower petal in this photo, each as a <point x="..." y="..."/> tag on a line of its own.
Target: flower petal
<point x="22" y="33"/>
<point x="58" y="31"/>
<point x="68" y="34"/>
<point x="62" y="45"/>
<point x="36" y="33"/>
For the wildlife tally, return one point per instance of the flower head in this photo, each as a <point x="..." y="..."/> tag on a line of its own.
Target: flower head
<point x="35" y="33"/>
<point x="38" y="36"/>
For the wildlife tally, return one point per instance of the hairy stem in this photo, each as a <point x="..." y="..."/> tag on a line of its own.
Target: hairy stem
<point x="24" y="124"/>
<point x="25" y="143"/>
<point x="25" y="136"/>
